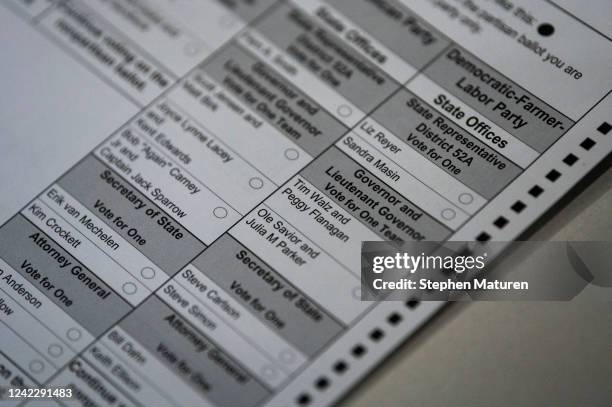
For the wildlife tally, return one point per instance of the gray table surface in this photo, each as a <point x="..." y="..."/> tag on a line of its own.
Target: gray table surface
<point x="514" y="353"/>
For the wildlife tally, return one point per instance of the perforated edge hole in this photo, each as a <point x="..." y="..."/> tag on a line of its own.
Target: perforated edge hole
<point x="518" y="206"/>
<point x="322" y="383"/>
<point x="340" y="367"/>
<point x="394" y="318"/>
<point x="359" y="350"/>
<point x="553" y="175"/>
<point x="604" y="128"/>
<point x="303" y="399"/>
<point x="570" y="159"/>
<point x="587" y="143"/>
<point x="500" y="222"/>
<point x="377" y="334"/>
<point x="412" y="304"/>
<point x="483" y="237"/>
<point x="535" y="191"/>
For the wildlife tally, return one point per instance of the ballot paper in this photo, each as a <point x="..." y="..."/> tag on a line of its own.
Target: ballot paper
<point x="186" y="184"/>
